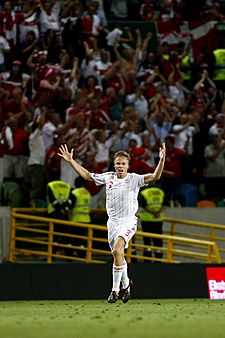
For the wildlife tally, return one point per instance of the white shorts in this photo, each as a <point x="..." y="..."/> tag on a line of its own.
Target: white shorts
<point x="121" y="228"/>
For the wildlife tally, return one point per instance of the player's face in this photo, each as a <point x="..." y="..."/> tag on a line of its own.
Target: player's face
<point x="121" y="166"/>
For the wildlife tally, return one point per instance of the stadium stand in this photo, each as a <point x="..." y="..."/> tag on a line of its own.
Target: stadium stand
<point x="128" y="71"/>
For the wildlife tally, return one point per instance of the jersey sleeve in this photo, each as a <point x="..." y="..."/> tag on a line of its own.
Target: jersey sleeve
<point x="138" y="180"/>
<point x="101" y="178"/>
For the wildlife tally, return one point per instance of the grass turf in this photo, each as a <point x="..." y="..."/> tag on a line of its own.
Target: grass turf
<point x="174" y="318"/>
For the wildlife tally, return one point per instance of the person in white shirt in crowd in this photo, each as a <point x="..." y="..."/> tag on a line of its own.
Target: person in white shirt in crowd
<point x="102" y="66"/>
<point x="138" y="101"/>
<point x="54" y="126"/>
<point x="100" y="12"/>
<point x="4" y="48"/>
<point x="36" y="160"/>
<point x="49" y="129"/>
<point x="184" y="132"/>
<point x="91" y="56"/>
<point x="101" y="146"/>
<point x="219" y="126"/>
<point x="49" y="16"/>
<point x="30" y="21"/>
<point x="132" y="130"/>
<point x="159" y="125"/>
<point x="121" y="204"/>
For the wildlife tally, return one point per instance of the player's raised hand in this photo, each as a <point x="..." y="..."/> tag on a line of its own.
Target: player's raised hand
<point x="65" y="154"/>
<point x="162" y="151"/>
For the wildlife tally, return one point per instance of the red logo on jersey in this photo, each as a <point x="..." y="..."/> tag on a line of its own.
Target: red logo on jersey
<point x="128" y="233"/>
<point x="110" y="184"/>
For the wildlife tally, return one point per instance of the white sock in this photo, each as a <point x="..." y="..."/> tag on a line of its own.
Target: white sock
<point x="117" y="274"/>
<point x="125" y="278"/>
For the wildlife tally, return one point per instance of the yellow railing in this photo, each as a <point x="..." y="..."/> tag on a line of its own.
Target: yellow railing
<point x="34" y="236"/>
<point x="199" y="231"/>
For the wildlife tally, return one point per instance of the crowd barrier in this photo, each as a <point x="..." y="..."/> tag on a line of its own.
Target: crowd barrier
<point x="38" y="237"/>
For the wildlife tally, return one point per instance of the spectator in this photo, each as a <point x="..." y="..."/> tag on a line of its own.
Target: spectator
<point x="9" y="21"/>
<point x="78" y="137"/>
<point x="112" y="102"/>
<point x="204" y="90"/>
<point x="14" y="159"/>
<point x="16" y="78"/>
<point x="4" y="48"/>
<point x="50" y="127"/>
<point x="113" y="78"/>
<point x="219" y="126"/>
<point x="70" y="27"/>
<point x="91" y="87"/>
<point x="172" y="176"/>
<point x="30" y="20"/>
<point x="59" y="71"/>
<point x="212" y="11"/>
<point x="200" y="139"/>
<point x="49" y="16"/>
<point x="151" y="216"/>
<point x="3" y="103"/>
<point x="53" y="161"/>
<point x="18" y="106"/>
<point x="53" y="126"/>
<point x="90" y="25"/>
<point x="97" y="192"/>
<point x="52" y="43"/>
<point x="139" y="102"/>
<point x="159" y="125"/>
<point x="99" y="5"/>
<point x="60" y="201"/>
<point x="79" y="106"/>
<point x="101" y="66"/>
<point x="147" y="10"/>
<point x="168" y="12"/>
<point x="102" y="146"/>
<point x="131" y="131"/>
<point x="129" y="57"/>
<point x="81" y="214"/>
<point x="215" y="168"/>
<point x="118" y="9"/>
<point x="36" y="161"/>
<point x="140" y="159"/>
<point x="48" y="89"/>
<point x="27" y="48"/>
<point x="91" y="56"/>
<point x="184" y="133"/>
<point x="117" y="36"/>
<point x="98" y="118"/>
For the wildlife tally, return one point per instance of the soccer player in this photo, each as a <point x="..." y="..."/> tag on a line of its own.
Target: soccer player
<point x="121" y="204"/>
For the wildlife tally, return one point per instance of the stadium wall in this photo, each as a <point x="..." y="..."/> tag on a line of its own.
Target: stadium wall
<point x="93" y="281"/>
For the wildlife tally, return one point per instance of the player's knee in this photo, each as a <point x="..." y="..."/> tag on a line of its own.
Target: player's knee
<point x="117" y="252"/>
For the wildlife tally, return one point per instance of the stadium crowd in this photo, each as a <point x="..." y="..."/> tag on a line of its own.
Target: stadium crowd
<point x="67" y="76"/>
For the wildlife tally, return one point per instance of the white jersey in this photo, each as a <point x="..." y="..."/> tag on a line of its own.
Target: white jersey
<point x="121" y="194"/>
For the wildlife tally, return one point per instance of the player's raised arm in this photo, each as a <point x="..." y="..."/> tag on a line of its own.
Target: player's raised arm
<point x="159" y="169"/>
<point x="68" y="156"/>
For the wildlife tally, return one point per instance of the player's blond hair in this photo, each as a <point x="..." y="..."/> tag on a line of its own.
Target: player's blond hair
<point x="121" y="153"/>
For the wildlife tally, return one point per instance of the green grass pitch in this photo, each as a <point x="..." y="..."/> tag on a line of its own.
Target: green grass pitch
<point x="174" y="318"/>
